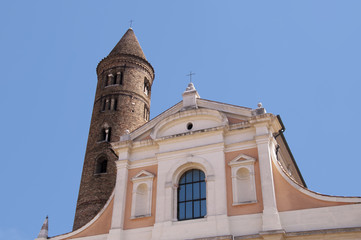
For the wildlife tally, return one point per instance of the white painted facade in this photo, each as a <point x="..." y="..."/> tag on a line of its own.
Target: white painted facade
<point x="174" y="146"/>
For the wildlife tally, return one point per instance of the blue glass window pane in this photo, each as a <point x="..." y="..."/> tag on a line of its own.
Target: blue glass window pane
<point x="203" y="208"/>
<point x="197" y="209"/>
<point x="192" y="188"/>
<point x="182" y="193"/>
<point x="181" y="211"/>
<point x="189" y="210"/>
<point x="201" y="176"/>
<point x="182" y="180"/>
<point x="196" y="191"/>
<point x="203" y="190"/>
<point x="189" y="192"/>
<point x="189" y="176"/>
<point x="196" y="175"/>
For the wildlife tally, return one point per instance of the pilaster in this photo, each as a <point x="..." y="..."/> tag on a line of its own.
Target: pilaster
<point x="271" y="220"/>
<point x="119" y="200"/>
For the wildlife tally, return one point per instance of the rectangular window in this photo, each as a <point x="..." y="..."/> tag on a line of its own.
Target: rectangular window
<point x="121" y="78"/>
<point x="103" y="105"/>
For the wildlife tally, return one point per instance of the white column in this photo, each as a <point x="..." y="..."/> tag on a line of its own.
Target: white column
<point x="271" y="219"/>
<point x="164" y="204"/>
<point x="119" y="200"/>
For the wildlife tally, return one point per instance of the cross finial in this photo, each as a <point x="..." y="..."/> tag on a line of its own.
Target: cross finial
<point x="131" y="23"/>
<point x="190" y="75"/>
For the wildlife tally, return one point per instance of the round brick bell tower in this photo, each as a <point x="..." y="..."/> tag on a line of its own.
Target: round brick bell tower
<point x="122" y="103"/>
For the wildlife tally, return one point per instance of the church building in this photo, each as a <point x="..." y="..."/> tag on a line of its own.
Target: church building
<point x="201" y="170"/>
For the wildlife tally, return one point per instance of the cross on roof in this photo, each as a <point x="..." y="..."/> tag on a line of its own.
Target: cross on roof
<point x="190" y="75"/>
<point x="131" y="23"/>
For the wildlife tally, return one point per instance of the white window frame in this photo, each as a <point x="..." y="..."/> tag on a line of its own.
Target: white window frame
<point x="143" y="177"/>
<point x="243" y="161"/>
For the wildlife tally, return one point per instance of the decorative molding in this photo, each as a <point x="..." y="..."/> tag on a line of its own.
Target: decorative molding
<point x="142" y="197"/>
<point x="243" y="186"/>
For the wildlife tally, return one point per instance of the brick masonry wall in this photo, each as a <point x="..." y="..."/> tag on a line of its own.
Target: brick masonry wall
<point x="95" y="189"/>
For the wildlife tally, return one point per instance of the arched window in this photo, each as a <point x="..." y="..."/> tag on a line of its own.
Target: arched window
<point x="101" y="165"/>
<point x="110" y="80"/>
<point x="146" y="113"/>
<point x="105" y="134"/>
<point x="192" y="195"/>
<point x="119" y="78"/>
<point x="146" y="86"/>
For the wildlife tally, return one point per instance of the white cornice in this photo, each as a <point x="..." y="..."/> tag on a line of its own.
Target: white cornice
<point x="313" y="194"/>
<point x="176" y="154"/>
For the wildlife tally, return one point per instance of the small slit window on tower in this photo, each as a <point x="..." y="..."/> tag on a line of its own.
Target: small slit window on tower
<point x="146" y="113"/>
<point x="112" y="100"/>
<point x="103" y="104"/>
<point x="110" y="79"/>
<point x="105" y="134"/>
<point x="108" y="104"/>
<point x="146" y="86"/>
<point x="101" y="165"/>
<point x="119" y="78"/>
<point x="115" y="104"/>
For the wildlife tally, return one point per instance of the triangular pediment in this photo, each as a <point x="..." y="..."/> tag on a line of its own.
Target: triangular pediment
<point x="142" y="175"/>
<point x="237" y="114"/>
<point x="242" y="159"/>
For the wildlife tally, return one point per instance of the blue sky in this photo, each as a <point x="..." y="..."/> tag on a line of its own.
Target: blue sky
<point x="301" y="59"/>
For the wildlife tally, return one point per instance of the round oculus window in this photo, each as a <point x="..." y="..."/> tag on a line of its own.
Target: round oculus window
<point x="189" y="126"/>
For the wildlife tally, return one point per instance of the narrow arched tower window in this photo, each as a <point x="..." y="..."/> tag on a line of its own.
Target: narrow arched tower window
<point x="115" y="103"/>
<point x="101" y="165"/>
<point x="110" y="80"/>
<point x="146" y="113"/>
<point x="105" y="134"/>
<point x="192" y="195"/>
<point x="119" y="78"/>
<point x="103" y="104"/>
<point x="146" y="86"/>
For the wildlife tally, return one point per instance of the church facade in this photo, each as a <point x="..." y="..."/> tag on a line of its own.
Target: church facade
<point x="199" y="170"/>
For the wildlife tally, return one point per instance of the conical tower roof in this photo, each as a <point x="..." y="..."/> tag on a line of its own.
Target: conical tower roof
<point x="129" y="45"/>
<point x="43" y="234"/>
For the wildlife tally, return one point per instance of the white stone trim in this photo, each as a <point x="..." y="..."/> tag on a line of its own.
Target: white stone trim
<point x="247" y="162"/>
<point x="188" y="163"/>
<point x="217" y="106"/>
<point x="174" y="174"/>
<point x="218" y="116"/>
<point x="233" y="147"/>
<point x="149" y="125"/>
<point x="312" y="193"/>
<point x="143" y="177"/>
